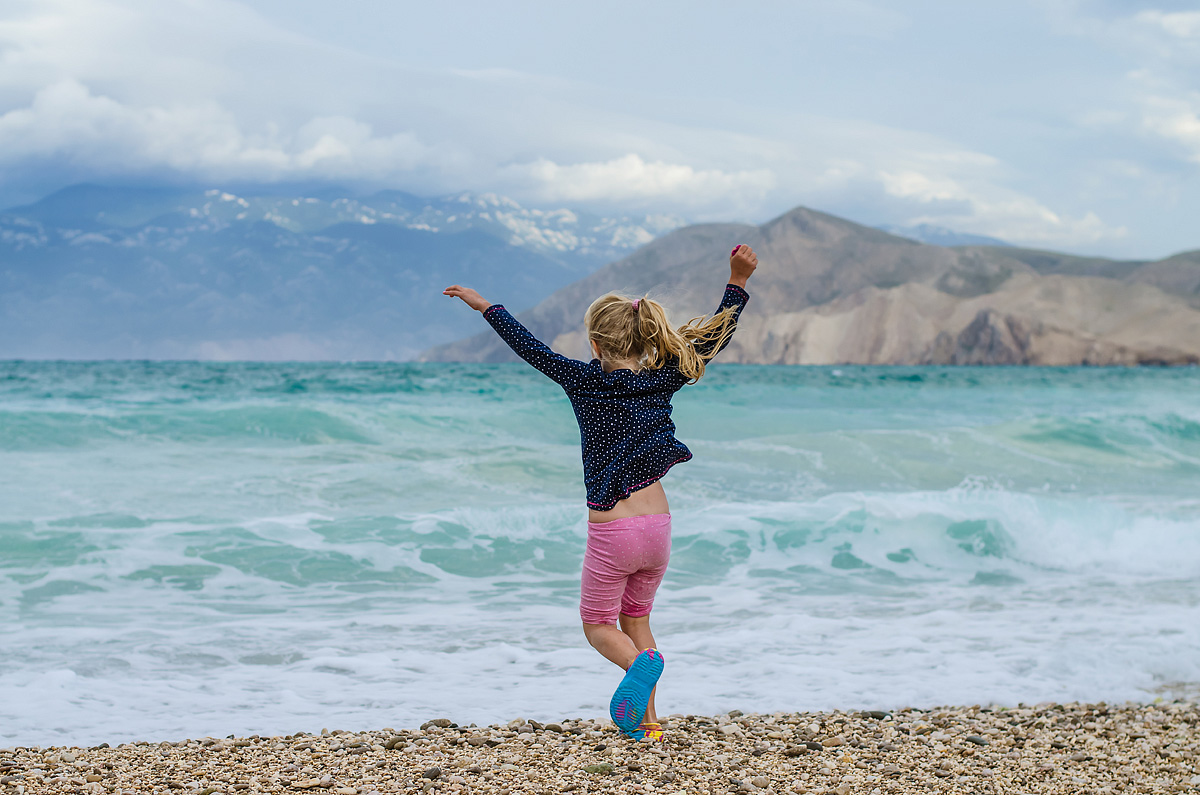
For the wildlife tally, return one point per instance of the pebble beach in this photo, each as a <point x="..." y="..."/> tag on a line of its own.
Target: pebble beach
<point x="1059" y="748"/>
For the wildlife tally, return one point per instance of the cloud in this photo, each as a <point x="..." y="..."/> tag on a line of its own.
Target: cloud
<point x="1175" y="119"/>
<point x="211" y="91"/>
<point x="988" y="210"/>
<point x="66" y="121"/>
<point x="1180" y="24"/>
<point x="632" y="179"/>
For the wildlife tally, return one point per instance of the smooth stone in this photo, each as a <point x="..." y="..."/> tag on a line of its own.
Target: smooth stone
<point x="760" y="781"/>
<point x="812" y="745"/>
<point x="476" y="740"/>
<point x="554" y="727"/>
<point x="795" y="750"/>
<point x="876" y="714"/>
<point x="432" y="773"/>
<point x="834" y="742"/>
<point x="976" y="739"/>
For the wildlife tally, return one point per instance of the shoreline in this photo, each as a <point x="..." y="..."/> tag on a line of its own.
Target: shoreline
<point x="1065" y="748"/>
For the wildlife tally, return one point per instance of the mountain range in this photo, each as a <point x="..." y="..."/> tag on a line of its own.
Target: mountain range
<point x="110" y="272"/>
<point x="830" y="291"/>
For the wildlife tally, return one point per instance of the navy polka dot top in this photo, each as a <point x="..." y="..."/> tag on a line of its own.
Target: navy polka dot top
<point x="625" y="425"/>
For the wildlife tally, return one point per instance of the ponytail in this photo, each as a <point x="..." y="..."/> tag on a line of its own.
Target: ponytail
<point x="639" y="330"/>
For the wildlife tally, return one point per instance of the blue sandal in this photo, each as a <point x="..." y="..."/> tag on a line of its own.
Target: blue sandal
<point x="629" y="702"/>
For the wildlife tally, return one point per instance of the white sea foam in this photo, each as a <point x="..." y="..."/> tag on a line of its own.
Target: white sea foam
<point x="205" y="550"/>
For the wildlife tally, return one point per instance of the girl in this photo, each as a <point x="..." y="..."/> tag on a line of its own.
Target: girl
<point x="622" y="400"/>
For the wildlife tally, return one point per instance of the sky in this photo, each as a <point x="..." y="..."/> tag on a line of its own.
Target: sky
<point x="1062" y="124"/>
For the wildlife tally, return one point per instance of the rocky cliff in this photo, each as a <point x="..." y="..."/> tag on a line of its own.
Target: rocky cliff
<point x="830" y="291"/>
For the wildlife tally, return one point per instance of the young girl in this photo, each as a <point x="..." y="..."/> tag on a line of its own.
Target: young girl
<point x="622" y="400"/>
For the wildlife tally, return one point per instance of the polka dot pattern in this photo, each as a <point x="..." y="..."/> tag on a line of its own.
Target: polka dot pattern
<point x="625" y="426"/>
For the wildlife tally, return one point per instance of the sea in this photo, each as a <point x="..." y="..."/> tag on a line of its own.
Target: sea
<point x="194" y="549"/>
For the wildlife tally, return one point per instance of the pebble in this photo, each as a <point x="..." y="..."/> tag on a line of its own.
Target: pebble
<point x="1053" y="749"/>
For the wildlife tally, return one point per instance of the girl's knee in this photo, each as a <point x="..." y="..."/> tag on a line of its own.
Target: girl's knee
<point x="592" y="631"/>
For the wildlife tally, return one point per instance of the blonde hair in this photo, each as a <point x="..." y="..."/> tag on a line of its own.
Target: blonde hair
<point x="638" y="330"/>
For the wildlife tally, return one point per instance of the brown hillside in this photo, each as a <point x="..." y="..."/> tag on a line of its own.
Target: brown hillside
<point x="831" y="291"/>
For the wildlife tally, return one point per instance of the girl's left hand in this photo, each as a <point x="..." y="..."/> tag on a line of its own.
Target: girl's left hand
<point x="469" y="296"/>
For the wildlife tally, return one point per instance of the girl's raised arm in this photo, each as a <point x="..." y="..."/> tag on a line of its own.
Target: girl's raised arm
<point x="742" y="262"/>
<point x="555" y="366"/>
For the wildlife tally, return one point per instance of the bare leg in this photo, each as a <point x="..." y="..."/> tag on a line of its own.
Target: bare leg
<point x="614" y="644"/>
<point x="621" y="646"/>
<point x="638" y="630"/>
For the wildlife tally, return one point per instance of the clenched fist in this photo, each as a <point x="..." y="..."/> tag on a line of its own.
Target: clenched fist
<point x="742" y="263"/>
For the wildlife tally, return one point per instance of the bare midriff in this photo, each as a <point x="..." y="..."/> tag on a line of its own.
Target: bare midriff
<point x="642" y="502"/>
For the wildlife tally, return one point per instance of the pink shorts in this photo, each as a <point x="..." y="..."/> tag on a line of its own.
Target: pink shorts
<point x="622" y="567"/>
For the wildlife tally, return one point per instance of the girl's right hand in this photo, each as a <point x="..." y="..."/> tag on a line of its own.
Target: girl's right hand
<point x="742" y="263"/>
<point x="469" y="297"/>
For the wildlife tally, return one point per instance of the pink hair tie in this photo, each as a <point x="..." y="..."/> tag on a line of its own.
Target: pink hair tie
<point x="635" y="303"/>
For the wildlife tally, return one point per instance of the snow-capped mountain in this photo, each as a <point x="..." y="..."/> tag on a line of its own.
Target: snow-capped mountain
<point x="569" y="234"/>
<point x="102" y="272"/>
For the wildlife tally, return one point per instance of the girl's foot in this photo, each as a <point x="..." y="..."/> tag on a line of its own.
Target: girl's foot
<point x="629" y="702"/>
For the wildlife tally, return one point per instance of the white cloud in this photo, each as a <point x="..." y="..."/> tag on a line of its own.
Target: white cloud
<point x="632" y="179"/>
<point x="1176" y="119"/>
<point x="1180" y="24"/>
<point x="207" y="89"/>
<point x="65" y="121"/>
<point x="994" y="211"/>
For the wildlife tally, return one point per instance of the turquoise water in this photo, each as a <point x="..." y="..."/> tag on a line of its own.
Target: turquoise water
<point x="193" y="549"/>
